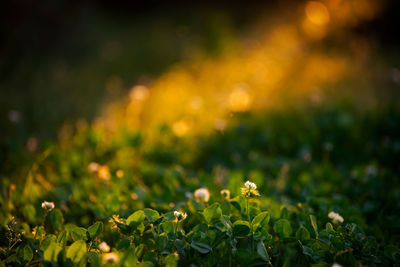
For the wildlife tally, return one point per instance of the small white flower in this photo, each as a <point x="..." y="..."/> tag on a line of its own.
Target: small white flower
<point x="180" y="215"/>
<point x="249" y="190"/>
<point x="110" y="258"/>
<point x="49" y="206"/>
<point x="104" y="247"/>
<point x="336" y="265"/>
<point x="336" y="218"/>
<point x="250" y="185"/>
<point x="202" y="195"/>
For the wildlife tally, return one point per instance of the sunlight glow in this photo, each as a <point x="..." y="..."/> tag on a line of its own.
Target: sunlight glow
<point x="317" y="13"/>
<point x="265" y="71"/>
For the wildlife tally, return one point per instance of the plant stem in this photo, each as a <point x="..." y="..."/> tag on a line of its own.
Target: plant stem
<point x="176" y="228"/>
<point x="251" y="226"/>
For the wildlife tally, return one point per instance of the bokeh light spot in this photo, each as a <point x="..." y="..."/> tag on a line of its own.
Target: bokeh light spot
<point x="317" y="13"/>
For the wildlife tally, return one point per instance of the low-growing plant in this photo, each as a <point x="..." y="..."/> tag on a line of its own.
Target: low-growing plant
<point x="318" y="196"/>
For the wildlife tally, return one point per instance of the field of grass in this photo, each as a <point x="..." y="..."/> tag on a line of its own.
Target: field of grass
<point x="125" y="192"/>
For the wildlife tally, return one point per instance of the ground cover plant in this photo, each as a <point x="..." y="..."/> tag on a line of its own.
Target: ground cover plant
<point x="315" y="187"/>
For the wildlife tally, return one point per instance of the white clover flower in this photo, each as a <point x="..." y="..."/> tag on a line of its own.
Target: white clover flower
<point x="250" y="190"/>
<point x="250" y="185"/>
<point x="202" y="195"/>
<point x="48" y="206"/>
<point x="110" y="258"/>
<point x="104" y="247"/>
<point x="180" y="216"/>
<point x="336" y="265"/>
<point x="336" y="218"/>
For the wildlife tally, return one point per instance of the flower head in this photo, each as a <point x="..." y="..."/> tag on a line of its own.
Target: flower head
<point x="104" y="247"/>
<point x="116" y="219"/>
<point x="225" y="193"/>
<point x="250" y="190"/>
<point x="202" y="195"/>
<point x="110" y="258"/>
<point x="48" y="206"/>
<point x="180" y="216"/>
<point x="336" y="218"/>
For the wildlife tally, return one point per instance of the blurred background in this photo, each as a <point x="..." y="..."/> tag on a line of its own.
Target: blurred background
<point x="191" y="65"/>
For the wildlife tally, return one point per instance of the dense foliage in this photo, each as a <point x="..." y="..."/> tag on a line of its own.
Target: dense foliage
<point x="328" y="182"/>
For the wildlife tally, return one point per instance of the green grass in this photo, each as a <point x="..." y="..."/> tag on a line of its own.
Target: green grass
<point x="306" y="163"/>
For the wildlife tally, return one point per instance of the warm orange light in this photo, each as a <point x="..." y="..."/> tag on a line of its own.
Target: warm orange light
<point x="314" y="31"/>
<point x="180" y="128"/>
<point x="239" y="99"/>
<point x="317" y="13"/>
<point x="139" y="92"/>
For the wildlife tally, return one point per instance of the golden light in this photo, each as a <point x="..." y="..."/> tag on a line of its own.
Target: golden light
<point x="317" y="13"/>
<point x="239" y="99"/>
<point x="314" y="31"/>
<point x="196" y="103"/>
<point x="139" y="92"/>
<point x="220" y="124"/>
<point x="279" y="62"/>
<point x="180" y="128"/>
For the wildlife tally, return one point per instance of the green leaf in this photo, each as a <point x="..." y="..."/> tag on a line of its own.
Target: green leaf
<point x="62" y="238"/>
<point x="282" y="228"/>
<point x="260" y="221"/>
<point x="329" y="227"/>
<point x="168" y="227"/>
<point x="129" y="257"/>
<point x="51" y="252"/>
<point x="135" y="221"/>
<point x="94" y="259"/>
<point x="139" y="250"/>
<point x="77" y="251"/>
<point x="203" y="248"/>
<point x="212" y="213"/>
<point x="136" y="217"/>
<point x="171" y="260"/>
<point x="226" y="222"/>
<point x="163" y="243"/>
<point x="152" y="215"/>
<point x="302" y="233"/>
<point x="78" y="233"/>
<point x="241" y="228"/>
<point x="239" y="202"/>
<point x="56" y="219"/>
<point x="262" y="251"/>
<point x="314" y="224"/>
<point x="169" y="216"/>
<point x="95" y="230"/>
<point x="25" y="252"/>
<point x="47" y="241"/>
